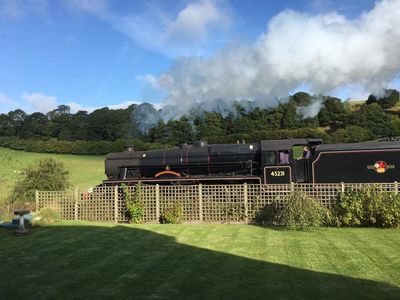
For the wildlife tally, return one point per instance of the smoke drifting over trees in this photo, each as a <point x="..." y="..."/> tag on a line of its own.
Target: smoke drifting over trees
<point x="323" y="52"/>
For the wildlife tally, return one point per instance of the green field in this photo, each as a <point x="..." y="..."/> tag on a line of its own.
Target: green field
<point x="85" y="170"/>
<point x="82" y="260"/>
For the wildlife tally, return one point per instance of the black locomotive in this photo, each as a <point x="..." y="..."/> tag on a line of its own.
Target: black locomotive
<point x="257" y="163"/>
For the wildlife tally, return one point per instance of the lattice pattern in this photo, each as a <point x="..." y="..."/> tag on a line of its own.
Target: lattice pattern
<point x="261" y="195"/>
<point x="186" y="196"/>
<point x="325" y="193"/>
<point x="223" y="203"/>
<point x="209" y="203"/>
<point x="98" y="205"/>
<point x="148" y="195"/>
<point x="62" y="202"/>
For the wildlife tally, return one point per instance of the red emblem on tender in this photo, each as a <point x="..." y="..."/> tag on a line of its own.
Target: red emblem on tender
<point x="380" y="167"/>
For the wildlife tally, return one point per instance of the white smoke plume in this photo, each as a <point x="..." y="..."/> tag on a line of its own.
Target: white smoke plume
<point x="323" y="52"/>
<point x="311" y="110"/>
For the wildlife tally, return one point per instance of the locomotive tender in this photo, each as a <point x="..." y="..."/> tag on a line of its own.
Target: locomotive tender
<point x="256" y="163"/>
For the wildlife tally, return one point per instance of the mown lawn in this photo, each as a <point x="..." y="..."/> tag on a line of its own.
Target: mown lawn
<point x="82" y="260"/>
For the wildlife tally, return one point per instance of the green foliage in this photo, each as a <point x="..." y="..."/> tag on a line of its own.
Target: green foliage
<point x="235" y="211"/>
<point x="105" y="130"/>
<point x="172" y="215"/>
<point x="372" y="118"/>
<point x="368" y="206"/>
<point x="389" y="99"/>
<point x="351" y="134"/>
<point x="134" y="204"/>
<point x="47" y="175"/>
<point x="371" y="99"/>
<point x="296" y="212"/>
<point x="268" y="214"/>
<point x="333" y="113"/>
<point x="45" y="216"/>
<point x="301" y="212"/>
<point x="301" y="99"/>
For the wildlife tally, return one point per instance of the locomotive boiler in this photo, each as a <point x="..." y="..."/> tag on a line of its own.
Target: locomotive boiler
<point x="256" y="163"/>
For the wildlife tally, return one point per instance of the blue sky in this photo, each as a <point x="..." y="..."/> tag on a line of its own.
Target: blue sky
<point x="90" y="54"/>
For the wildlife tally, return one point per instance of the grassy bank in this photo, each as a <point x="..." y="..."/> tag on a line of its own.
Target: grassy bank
<point x="82" y="260"/>
<point x="85" y="170"/>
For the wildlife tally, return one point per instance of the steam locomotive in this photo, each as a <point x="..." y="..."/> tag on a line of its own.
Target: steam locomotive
<point x="256" y="163"/>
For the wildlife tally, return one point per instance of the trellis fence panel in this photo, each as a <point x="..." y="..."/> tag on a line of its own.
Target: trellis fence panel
<point x="200" y="203"/>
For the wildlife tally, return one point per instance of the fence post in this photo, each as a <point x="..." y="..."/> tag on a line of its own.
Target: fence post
<point x="246" y="219"/>
<point x="76" y="211"/>
<point x="396" y="187"/>
<point x="200" y="203"/>
<point x="76" y="204"/>
<point x="292" y="187"/>
<point x="36" y="200"/>
<point x="116" y="204"/>
<point x="342" y="183"/>
<point x="157" y="203"/>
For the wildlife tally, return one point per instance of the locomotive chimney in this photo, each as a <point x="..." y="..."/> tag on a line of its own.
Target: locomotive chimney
<point x="129" y="148"/>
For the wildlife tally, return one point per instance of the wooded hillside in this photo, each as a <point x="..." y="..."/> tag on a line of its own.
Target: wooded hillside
<point x="105" y="130"/>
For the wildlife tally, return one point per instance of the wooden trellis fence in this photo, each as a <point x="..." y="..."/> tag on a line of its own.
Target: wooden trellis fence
<point x="200" y="203"/>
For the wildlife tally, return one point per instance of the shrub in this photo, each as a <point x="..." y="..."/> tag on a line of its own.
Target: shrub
<point x="301" y="212"/>
<point x="267" y="215"/>
<point x="45" y="216"/>
<point x="296" y="212"/>
<point x="368" y="206"/>
<point x="172" y="215"/>
<point x="134" y="204"/>
<point x="47" y="175"/>
<point x="234" y="211"/>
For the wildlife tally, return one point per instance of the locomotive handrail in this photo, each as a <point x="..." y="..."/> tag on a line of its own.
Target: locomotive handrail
<point x="190" y="165"/>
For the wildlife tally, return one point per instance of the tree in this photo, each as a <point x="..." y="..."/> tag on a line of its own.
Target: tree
<point x="79" y="125"/>
<point x="371" y="99"/>
<point x="333" y="113"/>
<point x="35" y="126"/>
<point x="47" y="175"/>
<point x="389" y="99"/>
<point x="373" y="118"/>
<point x="16" y="119"/>
<point x="212" y="125"/>
<point x="301" y="99"/>
<point x="289" y="119"/>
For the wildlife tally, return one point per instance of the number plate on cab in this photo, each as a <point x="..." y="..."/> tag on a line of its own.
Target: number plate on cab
<point x="274" y="175"/>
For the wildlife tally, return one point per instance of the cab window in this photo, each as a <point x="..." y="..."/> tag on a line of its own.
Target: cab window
<point x="270" y="158"/>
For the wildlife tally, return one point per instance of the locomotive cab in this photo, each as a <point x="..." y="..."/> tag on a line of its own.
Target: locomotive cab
<point x="279" y="163"/>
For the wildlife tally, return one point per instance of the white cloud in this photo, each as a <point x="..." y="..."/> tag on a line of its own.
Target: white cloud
<point x="39" y="7"/>
<point x="140" y="28"/>
<point x="12" y="8"/>
<point x="323" y="6"/>
<point x="75" y="107"/>
<point x="95" y="7"/>
<point x="70" y="39"/>
<point x="187" y="33"/>
<point x="39" y="102"/>
<point x="197" y="21"/>
<point x="17" y="9"/>
<point x="7" y="104"/>
<point x="6" y="101"/>
<point x="152" y="80"/>
<point x="190" y="32"/>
